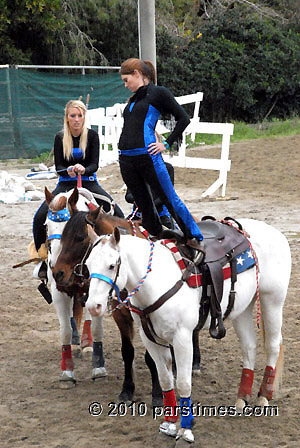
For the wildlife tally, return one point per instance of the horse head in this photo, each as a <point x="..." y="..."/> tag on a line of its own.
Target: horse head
<point x="69" y="268"/>
<point x="106" y="275"/>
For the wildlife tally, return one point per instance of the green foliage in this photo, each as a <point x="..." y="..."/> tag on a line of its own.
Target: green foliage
<point x="27" y="28"/>
<point x="248" y="68"/>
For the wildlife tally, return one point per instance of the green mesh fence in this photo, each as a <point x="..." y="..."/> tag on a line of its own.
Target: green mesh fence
<point x="32" y="106"/>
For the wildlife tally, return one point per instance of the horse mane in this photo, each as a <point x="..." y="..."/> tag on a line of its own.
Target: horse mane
<point x="58" y="203"/>
<point x="76" y="226"/>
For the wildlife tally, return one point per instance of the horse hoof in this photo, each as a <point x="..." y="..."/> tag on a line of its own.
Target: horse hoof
<point x="168" y="428"/>
<point x="239" y="405"/>
<point x="262" y="401"/>
<point x="184" y="437"/>
<point x="196" y="370"/>
<point x="126" y="396"/>
<point x="67" y="380"/>
<point x="87" y="352"/>
<point x="99" y="372"/>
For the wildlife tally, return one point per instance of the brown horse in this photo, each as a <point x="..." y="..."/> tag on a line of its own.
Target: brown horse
<point x="71" y="278"/>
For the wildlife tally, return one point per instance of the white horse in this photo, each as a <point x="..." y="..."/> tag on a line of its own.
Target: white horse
<point x="123" y="260"/>
<point x="92" y="335"/>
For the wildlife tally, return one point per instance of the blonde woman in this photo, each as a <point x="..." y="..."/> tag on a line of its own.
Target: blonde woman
<point x="76" y="151"/>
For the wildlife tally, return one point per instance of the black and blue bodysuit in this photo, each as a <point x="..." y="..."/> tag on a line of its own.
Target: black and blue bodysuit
<point x="140" y="169"/>
<point x="66" y="183"/>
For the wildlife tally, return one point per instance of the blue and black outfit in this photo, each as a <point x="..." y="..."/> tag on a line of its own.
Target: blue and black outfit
<point x="141" y="170"/>
<point x="66" y="183"/>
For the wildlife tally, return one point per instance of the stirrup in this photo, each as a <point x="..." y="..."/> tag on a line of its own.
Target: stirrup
<point x="199" y="251"/>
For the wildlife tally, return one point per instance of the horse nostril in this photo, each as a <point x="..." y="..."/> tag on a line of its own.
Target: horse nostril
<point x="59" y="275"/>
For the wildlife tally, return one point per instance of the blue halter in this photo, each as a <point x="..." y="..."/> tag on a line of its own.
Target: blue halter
<point x="109" y="281"/>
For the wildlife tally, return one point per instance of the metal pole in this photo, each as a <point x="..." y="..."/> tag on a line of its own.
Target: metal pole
<point x="146" y="24"/>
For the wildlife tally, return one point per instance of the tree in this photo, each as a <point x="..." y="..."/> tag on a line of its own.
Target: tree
<point x="27" y="28"/>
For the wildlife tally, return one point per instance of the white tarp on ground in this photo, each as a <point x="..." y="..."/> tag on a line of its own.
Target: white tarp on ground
<point x="17" y="189"/>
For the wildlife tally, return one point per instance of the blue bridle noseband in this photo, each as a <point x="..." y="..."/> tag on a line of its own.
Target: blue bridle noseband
<point x="108" y="279"/>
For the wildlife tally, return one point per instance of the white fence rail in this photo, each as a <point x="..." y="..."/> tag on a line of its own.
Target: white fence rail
<point x="110" y="122"/>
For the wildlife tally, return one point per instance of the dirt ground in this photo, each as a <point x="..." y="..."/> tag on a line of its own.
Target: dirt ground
<point x="264" y="184"/>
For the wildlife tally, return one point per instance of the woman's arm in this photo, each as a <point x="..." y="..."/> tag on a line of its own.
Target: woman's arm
<point x="60" y="162"/>
<point x="92" y="153"/>
<point x="166" y="103"/>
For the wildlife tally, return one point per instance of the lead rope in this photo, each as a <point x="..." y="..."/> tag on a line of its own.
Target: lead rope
<point x="131" y="221"/>
<point x="258" y="311"/>
<point x="149" y="269"/>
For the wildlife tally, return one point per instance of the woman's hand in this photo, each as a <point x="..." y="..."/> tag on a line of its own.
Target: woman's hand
<point x="71" y="171"/>
<point x="76" y="169"/>
<point x="156" y="148"/>
<point x="79" y="169"/>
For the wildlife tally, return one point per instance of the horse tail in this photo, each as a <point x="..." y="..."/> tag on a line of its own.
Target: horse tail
<point x="279" y="363"/>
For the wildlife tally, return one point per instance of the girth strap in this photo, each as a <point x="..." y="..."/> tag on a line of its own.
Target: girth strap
<point x="144" y="313"/>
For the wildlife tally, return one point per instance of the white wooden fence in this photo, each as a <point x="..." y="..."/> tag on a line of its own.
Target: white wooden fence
<point x="110" y="122"/>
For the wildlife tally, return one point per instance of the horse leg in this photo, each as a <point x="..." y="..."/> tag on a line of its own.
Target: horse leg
<point x="244" y="329"/>
<point x="157" y="398"/>
<point x="162" y="357"/>
<point x="272" y="321"/>
<point x="99" y="370"/>
<point x="63" y="306"/>
<point x="124" y="321"/>
<point x="196" y="353"/>
<point x="77" y="314"/>
<point x="86" y="336"/>
<point x="183" y="350"/>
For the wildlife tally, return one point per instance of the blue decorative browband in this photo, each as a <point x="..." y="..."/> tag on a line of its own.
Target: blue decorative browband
<point x="59" y="216"/>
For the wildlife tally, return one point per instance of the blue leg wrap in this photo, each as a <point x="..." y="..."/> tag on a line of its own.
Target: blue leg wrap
<point x="186" y="413"/>
<point x="98" y="358"/>
<point x="75" y="334"/>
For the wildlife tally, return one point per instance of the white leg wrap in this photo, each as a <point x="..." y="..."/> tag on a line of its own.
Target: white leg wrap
<point x="185" y="434"/>
<point x="168" y="428"/>
<point x="68" y="375"/>
<point x="98" y="372"/>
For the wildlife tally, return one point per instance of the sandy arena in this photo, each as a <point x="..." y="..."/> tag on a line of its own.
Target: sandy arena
<point x="264" y="184"/>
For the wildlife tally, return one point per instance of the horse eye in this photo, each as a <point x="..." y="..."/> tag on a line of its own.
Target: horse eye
<point x="79" y="239"/>
<point x="111" y="267"/>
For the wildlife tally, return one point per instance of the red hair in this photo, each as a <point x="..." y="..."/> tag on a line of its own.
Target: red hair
<point x="146" y="68"/>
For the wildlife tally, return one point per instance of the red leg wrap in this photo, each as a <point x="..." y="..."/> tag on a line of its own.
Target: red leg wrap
<point x="245" y="389"/>
<point x="66" y="358"/>
<point x="170" y="407"/>
<point x="86" y="338"/>
<point x="267" y="385"/>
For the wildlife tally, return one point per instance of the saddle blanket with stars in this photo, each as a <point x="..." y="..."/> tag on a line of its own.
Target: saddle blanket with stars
<point x="244" y="261"/>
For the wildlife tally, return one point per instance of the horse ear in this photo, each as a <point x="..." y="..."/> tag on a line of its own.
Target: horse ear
<point x="73" y="199"/>
<point x="48" y="195"/>
<point x="94" y="214"/>
<point x="92" y="234"/>
<point x="115" y="238"/>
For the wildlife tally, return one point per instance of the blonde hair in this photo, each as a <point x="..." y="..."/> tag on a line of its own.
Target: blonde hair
<point x="67" y="138"/>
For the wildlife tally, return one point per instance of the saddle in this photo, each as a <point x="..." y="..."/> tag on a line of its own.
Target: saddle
<point x="223" y="242"/>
